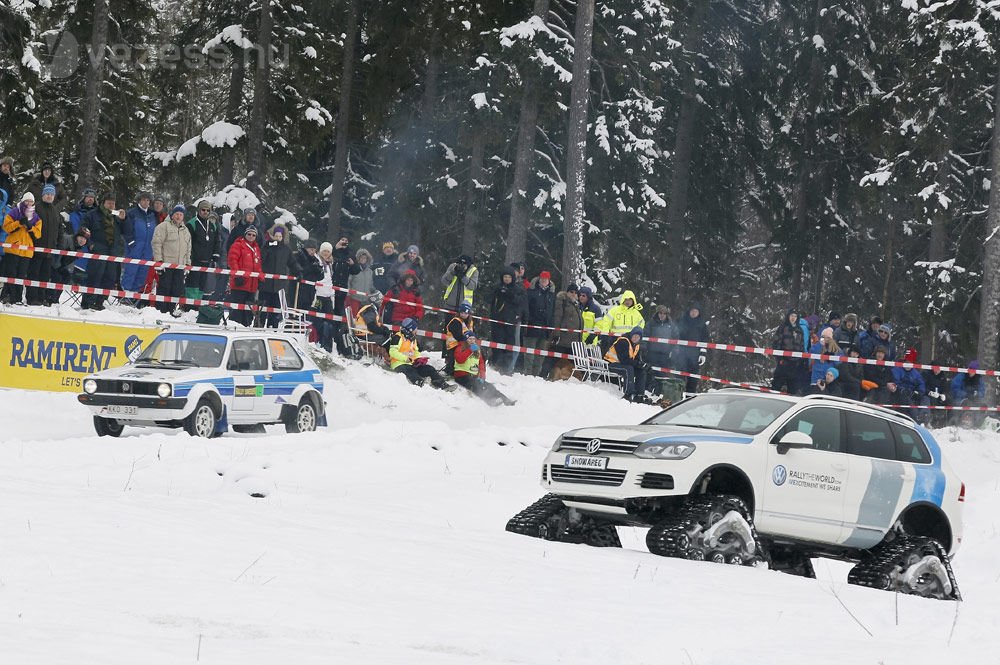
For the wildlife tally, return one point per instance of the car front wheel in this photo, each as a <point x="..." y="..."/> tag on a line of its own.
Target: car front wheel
<point x="108" y="426"/>
<point x="202" y="420"/>
<point x="304" y="419"/>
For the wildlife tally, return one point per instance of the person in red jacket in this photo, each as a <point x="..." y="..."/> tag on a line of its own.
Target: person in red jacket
<point x="410" y="305"/>
<point x="244" y="254"/>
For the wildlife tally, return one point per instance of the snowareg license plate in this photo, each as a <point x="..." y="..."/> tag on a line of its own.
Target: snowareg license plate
<point x="586" y="462"/>
<point x="121" y="410"/>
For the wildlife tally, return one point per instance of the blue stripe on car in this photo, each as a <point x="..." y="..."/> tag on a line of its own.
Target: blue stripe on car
<point x="930" y="482"/>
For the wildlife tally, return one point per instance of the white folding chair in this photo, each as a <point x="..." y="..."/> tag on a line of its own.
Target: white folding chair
<point x="581" y="360"/>
<point x="293" y="321"/>
<point x="601" y="368"/>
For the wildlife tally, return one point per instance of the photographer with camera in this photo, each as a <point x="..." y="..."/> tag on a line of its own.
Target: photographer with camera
<point x="461" y="280"/>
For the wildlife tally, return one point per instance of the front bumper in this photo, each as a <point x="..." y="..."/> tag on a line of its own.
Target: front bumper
<point x="148" y="408"/>
<point x="626" y="477"/>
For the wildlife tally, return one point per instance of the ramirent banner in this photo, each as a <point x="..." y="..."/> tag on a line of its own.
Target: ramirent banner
<point x="41" y="353"/>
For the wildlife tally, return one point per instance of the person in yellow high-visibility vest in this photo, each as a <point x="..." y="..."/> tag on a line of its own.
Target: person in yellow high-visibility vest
<point x="624" y="358"/>
<point x="460" y="280"/>
<point x="623" y="317"/>
<point x="405" y="358"/>
<point x="590" y="313"/>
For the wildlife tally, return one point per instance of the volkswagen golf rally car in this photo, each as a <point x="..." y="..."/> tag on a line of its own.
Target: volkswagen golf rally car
<point x="743" y="477"/>
<point x="209" y="383"/>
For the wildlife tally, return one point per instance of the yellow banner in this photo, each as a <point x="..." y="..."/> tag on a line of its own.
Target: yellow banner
<point x="41" y="353"/>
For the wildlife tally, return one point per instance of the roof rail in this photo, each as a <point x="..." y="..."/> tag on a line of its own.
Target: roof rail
<point x="843" y="400"/>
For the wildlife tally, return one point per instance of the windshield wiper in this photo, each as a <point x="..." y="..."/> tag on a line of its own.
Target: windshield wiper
<point x="698" y="426"/>
<point x="167" y="364"/>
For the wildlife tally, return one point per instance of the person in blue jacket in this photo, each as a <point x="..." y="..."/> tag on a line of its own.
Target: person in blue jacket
<point x="137" y="231"/>
<point x="910" y="387"/>
<point x="968" y="386"/>
<point x="87" y="204"/>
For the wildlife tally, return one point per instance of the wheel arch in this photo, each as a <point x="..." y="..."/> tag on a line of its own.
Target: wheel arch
<point x="726" y="479"/>
<point x="927" y="519"/>
<point x="306" y="391"/>
<point x="204" y="391"/>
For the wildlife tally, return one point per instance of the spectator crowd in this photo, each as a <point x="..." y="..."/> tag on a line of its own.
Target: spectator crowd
<point x="388" y="285"/>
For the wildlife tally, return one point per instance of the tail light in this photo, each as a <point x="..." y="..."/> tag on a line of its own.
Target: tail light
<point x="961" y="494"/>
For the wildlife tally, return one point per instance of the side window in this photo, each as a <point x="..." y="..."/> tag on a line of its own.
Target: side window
<point x="869" y="436"/>
<point x="283" y="355"/>
<point x="909" y="446"/>
<point x="822" y="424"/>
<point x="248" y="355"/>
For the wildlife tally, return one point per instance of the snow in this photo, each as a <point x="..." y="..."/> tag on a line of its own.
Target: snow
<point x="232" y="34"/>
<point x="288" y="219"/>
<point x="222" y="134"/>
<point x="29" y="60"/>
<point x="235" y="198"/>
<point x="381" y="541"/>
<point x="878" y="178"/>
<point x="189" y="148"/>
<point x="479" y="100"/>
<point x="310" y="52"/>
<point x="819" y="43"/>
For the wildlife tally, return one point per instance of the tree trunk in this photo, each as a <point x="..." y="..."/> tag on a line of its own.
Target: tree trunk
<point x="237" y="74"/>
<point x="524" y="157"/>
<point x="684" y="139"/>
<point x="576" y="144"/>
<point x="936" y="252"/>
<point x="473" y="203"/>
<point x="430" y="94"/>
<point x="87" y="169"/>
<point x="890" y="242"/>
<point x="989" y="313"/>
<point x="261" y="92"/>
<point x="343" y="122"/>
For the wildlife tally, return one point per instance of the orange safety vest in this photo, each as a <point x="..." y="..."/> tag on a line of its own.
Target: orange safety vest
<point x="452" y="343"/>
<point x="612" y="355"/>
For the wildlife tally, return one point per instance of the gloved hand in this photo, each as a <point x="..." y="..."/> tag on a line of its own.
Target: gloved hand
<point x="474" y="348"/>
<point x="459" y="270"/>
<point x="701" y="360"/>
<point x="240" y="281"/>
<point x="942" y="397"/>
<point x="422" y="360"/>
<point x="379" y="271"/>
<point x="215" y="257"/>
<point x="159" y="270"/>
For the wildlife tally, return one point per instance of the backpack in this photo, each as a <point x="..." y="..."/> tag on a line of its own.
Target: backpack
<point x="211" y="315"/>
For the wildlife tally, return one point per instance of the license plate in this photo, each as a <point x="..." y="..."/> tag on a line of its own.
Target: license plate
<point x="586" y="462"/>
<point x="121" y="410"/>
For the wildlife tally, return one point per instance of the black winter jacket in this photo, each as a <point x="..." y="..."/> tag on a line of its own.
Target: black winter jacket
<point x="276" y="258"/>
<point x="541" y="309"/>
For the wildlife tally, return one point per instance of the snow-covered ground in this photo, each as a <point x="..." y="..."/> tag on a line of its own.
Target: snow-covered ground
<point x="381" y="540"/>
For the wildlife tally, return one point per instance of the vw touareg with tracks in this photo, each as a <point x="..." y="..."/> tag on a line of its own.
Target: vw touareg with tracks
<point x="748" y="478"/>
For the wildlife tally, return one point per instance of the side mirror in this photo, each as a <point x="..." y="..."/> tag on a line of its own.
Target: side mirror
<point x="794" y="439"/>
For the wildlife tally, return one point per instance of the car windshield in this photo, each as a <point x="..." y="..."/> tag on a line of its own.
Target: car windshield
<point x="745" y="414"/>
<point x="179" y="350"/>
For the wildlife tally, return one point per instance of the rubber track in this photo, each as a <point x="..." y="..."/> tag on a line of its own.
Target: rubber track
<point x="552" y="514"/>
<point x="662" y="539"/>
<point x="875" y="571"/>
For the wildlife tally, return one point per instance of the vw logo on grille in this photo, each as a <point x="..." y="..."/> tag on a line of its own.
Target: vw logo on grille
<point x="779" y="475"/>
<point x="126" y="387"/>
<point x="594" y="446"/>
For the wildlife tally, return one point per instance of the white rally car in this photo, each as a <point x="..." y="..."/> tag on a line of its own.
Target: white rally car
<point x="743" y="477"/>
<point x="209" y="383"/>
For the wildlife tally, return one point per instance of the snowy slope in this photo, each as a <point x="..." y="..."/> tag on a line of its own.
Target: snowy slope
<point x="381" y="540"/>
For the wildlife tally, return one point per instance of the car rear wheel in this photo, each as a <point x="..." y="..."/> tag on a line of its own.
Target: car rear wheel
<point x="108" y="426"/>
<point x="202" y="420"/>
<point x="304" y="419"/>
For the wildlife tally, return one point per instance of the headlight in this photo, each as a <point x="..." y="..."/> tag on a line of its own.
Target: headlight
<point x="163" y="390"/>
<point x="557" y="444"/>
<point x="90" y="386"/>
<point x="680" y="450"/>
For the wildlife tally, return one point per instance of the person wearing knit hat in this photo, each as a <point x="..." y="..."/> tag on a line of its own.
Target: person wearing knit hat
<point x="566" y="317"/>
<point x="383" y="266"/>
<point x="969" y="389"/>
<point x="830" y="383"/>
<point x="23" y="227"/>
<point x="140" y="223"/>
<point x="326" y="250"/>
<point x="625" y="359"/>
<point x="277" y="260"/>
<point x="541" y="308"/>
<point x="179" y="208"/>
<point x="171" y="243"/>
<point x="247" y="219"/>
<point x="245" y="255"/>
<point x="40" y="268"/>
<point x="847" y="334"/>
<point x="660" y="326"/>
